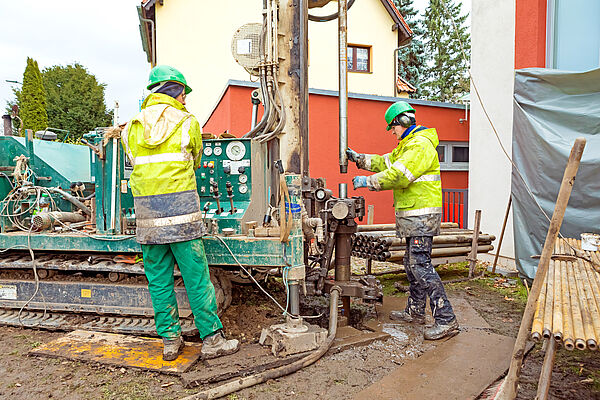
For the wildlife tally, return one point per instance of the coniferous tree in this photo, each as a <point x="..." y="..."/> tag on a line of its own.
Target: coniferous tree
<point x="447" y="72"/>
<point x="32" y="98"/>
<point x="412" y="60"/>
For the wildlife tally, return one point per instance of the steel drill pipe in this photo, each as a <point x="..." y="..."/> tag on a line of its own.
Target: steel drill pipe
<point x="398" y="255"/>
<point x="391" y="227"/>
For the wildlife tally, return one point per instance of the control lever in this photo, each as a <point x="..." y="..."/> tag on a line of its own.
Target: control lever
<point x="214" y="189"/>
<point x="230" y="196"/>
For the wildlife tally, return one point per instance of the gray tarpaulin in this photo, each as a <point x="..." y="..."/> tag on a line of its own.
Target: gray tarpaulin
<point x="551" y="109"/>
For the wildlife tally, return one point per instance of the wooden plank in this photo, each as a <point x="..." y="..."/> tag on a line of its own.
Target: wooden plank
<point x="459" y="368"/>
<point x="118" y="350"/>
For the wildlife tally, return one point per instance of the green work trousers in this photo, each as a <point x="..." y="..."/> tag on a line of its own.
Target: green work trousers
<point x="159" y="263"/>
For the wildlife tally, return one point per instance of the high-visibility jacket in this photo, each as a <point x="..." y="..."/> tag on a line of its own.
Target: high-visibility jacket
<point x="412" y="171"/>
<point x="164" y="144"/>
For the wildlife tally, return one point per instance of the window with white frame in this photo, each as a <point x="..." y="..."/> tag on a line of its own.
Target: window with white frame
<point x="453" y="156"/>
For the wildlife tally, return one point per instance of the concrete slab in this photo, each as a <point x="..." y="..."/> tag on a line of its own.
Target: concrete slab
<point x="459" y="368"/>
<point x="118" y="350"/>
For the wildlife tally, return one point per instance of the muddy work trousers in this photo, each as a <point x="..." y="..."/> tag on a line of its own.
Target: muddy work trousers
<point x="159" y="263"/>
<point x="425" y="281"/>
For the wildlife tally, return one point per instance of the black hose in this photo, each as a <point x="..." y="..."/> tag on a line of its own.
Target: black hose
<point x="329" y="17"/>
<point x="71" y="199"/>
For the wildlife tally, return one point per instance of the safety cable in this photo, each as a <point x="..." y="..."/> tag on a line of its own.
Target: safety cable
<point x="529" y="191"/>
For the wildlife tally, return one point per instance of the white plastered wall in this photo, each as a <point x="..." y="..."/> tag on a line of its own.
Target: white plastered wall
<point x="195" y="37"/>
<point x="492" y="66"/>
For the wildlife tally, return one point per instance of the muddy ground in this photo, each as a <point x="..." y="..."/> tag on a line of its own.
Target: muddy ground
<point x="339" y="376"/>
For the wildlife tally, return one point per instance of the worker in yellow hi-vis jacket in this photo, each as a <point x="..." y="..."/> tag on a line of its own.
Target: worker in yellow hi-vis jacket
<point x="164" y="144"/>
<point x="412" y="171"/>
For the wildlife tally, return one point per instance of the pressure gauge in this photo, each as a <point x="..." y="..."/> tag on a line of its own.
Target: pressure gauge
<point x="208" y="151"/>
<point x="243" y="189"/>
<point x="235" y="150"/>
<point x="218" y="151"/>
<point x="243" y="178"/>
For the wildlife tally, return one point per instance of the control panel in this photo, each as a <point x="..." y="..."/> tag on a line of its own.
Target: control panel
<point x="231" y="183"/>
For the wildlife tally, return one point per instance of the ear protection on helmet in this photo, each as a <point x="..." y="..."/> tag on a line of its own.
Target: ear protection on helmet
<point x="405" y="120"/>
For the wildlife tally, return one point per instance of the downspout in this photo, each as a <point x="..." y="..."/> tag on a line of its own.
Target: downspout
<point x="151" y="22"/>
<point x="396" y="50"/>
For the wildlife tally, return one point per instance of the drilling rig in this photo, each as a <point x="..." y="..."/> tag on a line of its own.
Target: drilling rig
<point x="69" y="258"/>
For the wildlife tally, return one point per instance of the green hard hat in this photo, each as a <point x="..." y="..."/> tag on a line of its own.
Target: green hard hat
<point x="162" y="73"/>
<point x="396" y="109"/>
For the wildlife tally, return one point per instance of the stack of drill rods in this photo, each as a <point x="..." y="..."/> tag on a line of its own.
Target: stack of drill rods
<point x="384" y="246"/>
<point x="391" y="227"/>
<point x="568" y="308"/>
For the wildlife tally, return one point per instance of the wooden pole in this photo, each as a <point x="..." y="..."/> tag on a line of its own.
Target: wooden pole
<point x="502" y="234"/>
<point x="509" y="389"/>
<point x="473" y="255"/>
<point x="546" y="373"/>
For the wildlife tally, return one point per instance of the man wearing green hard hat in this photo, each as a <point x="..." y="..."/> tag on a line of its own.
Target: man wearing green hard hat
<point x="164" y="144"/>
<point x="412" y="171"/>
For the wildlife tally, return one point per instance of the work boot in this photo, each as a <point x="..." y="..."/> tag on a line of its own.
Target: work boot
<point x="406" y="316"/>
<point x="172" y="348"/>
<point x="216" y="345"/>
<point x="438" y="331"/>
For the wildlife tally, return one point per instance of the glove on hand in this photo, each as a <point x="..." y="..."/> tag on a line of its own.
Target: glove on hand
<point x="352" y="155"/>
<point x="359" y="182"/>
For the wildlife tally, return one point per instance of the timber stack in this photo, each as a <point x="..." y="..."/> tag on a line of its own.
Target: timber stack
<point x="379" y="243"/>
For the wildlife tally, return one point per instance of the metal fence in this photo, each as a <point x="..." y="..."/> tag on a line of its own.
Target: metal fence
<point x="455" y="206"/>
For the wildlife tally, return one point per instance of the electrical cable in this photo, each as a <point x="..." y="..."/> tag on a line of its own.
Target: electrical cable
<point x="37" y="284"/>
<point x="259" y="285"/>
<point x="529" y="191"/>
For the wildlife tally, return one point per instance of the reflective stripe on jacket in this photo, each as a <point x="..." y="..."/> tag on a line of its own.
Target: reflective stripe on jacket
<point x="164" y="144"/>
<point x="412" y="171"/>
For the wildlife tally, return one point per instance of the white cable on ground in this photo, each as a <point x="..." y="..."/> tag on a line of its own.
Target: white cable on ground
<point x="259" y="285"/>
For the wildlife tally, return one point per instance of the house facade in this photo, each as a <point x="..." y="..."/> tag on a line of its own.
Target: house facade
<point x="195" y="36"/>
<point x="509" y="35"/>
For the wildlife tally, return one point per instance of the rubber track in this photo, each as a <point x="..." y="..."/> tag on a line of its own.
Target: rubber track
<point x="68" y="322"/>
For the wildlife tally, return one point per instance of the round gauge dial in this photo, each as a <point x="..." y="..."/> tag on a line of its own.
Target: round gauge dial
<point x="235" y="150"/>
<point x="243" y="189"/>
<point x="243" y="178"/>
<point x="208" y="151"/>
<point x="218" y="151"/>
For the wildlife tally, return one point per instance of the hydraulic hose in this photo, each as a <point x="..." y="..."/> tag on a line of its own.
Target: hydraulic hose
<point x="242" y="383"/>
<point x="71" y="199"/>
<point x="329" y="17"/>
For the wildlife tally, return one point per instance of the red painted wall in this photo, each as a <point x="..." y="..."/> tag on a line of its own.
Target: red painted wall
<point x="366" y="134"/>
<point x="530" y="33"/>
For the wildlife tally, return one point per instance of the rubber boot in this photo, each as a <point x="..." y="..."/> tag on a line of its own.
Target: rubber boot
<point x="406" y="316"/>
<point x="216" y="345"/>
<point x="172" y="348"/>
<point x="437" y="331"/>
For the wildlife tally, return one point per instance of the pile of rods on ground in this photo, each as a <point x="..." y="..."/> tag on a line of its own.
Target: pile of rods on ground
<point x="379" y="243"/>
<point x="568" y="308"/>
